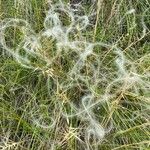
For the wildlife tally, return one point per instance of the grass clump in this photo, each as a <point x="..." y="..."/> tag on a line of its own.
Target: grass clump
<point x="74" y="75"/>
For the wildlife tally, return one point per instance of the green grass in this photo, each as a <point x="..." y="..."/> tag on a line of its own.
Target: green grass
<point x="36" y="103"/>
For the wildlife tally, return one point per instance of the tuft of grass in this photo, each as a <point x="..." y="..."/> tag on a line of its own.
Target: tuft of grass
<point x="74" y="75"/>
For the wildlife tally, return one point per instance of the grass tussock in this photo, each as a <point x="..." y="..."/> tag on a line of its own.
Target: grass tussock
<point x="74" y="75"/>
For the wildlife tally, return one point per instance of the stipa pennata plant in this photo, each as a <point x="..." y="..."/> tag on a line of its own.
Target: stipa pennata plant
<point x="94" y="88"/>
